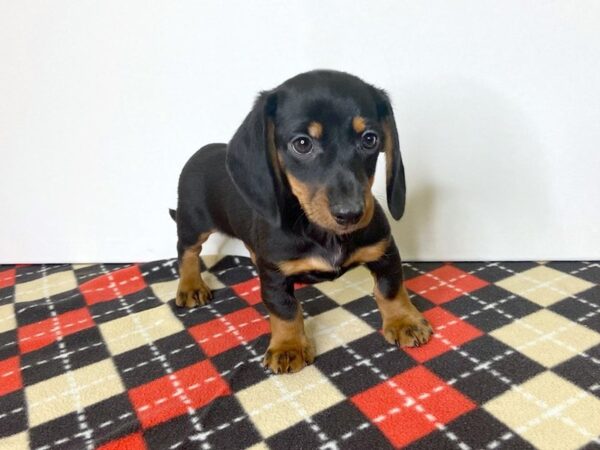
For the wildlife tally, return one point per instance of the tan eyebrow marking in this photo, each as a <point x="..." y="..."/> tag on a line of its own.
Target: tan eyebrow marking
<point x="315" y="129"/>
<point x="358" y="123"/>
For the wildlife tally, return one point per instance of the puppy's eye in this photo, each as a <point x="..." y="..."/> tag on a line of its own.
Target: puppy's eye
<point x="302" y="145"/>
<point x="369" y="140"/>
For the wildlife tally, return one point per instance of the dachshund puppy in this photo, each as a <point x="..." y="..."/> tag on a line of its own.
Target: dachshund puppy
<point x="294" y="184"/>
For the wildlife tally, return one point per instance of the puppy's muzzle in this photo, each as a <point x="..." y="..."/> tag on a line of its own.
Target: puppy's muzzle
<point x="347" y="213"/>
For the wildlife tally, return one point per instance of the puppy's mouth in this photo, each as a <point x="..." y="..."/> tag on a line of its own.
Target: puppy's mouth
<point x="345" y="229"/>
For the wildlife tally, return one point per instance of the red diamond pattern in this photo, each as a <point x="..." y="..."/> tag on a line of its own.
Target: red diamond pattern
<point x="10" y="375"/>
<point x="249" y="291"/>
<point x="449" y="331"/>
<point x="172" y="395"/>
<point x="108" y="287"/>
<point x="44" y="332"/>
<point x="229" y="331"/>
<point x="444" y="284"/>
<point x="7" y="278"/>
<point x="411" y="405"/>
<point x="133" y="441"/>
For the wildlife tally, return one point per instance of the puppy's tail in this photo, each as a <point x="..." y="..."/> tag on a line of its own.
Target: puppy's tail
<point x="173" y="214"/>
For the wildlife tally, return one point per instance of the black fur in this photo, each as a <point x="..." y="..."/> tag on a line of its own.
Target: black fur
<point x="241" y="190"/>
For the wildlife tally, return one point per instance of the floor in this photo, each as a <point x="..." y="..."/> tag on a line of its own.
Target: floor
<point x="98" y="356"/>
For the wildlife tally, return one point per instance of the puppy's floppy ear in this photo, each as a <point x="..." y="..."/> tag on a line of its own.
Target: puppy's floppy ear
<point x="251" y="159"/>
<point x="396" y="183"/>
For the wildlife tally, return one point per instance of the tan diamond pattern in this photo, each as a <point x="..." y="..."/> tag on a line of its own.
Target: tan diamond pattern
<point x="544" y="285"/>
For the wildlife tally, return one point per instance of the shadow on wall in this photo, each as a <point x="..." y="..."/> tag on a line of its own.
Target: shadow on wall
<point x="412" y="232"/>
<point x="477" y="175"/>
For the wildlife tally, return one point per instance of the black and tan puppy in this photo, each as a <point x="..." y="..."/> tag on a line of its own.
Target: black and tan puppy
<point x="294" y="184"/>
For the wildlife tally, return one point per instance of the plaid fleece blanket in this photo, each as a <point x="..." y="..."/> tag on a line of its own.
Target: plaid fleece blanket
<point x="99" y="356"/>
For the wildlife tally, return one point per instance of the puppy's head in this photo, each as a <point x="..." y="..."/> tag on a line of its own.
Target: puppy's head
<point x="318" y="134"/>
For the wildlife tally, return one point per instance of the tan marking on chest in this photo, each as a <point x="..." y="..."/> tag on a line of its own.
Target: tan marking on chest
<point x="301" y="265"/>
<point x="368" y="253"/>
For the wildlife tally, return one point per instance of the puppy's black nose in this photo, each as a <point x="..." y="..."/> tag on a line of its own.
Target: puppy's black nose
<point x="347" y="214"/>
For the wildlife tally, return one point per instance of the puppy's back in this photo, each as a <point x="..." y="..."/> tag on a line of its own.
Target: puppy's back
<point x="204" y="186"/>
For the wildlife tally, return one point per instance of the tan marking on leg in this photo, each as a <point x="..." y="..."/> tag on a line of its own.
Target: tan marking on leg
<point x="289" y="349"/>
<point x="368" y="253"/>
<point x="294" y="266"/>
<point x="359" y="124"/>
<point x="192" y="290"/>
<point x="403" y="324"/>
<point x="315" y="130"/>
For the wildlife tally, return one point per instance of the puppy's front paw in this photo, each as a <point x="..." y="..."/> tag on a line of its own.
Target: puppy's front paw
<point x="193" y="294"/>
<point x="288" y="358"/>
<point x="407" y="331"/>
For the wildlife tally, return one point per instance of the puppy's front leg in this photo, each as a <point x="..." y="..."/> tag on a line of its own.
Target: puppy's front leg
<point x="289" y="349"/>
<point x="403" y="324"/>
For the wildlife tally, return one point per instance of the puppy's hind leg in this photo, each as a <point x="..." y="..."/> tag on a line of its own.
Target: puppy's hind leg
<point x="192" y="290"/>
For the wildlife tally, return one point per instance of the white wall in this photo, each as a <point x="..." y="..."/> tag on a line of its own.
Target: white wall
<point x="497" y="103"/>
